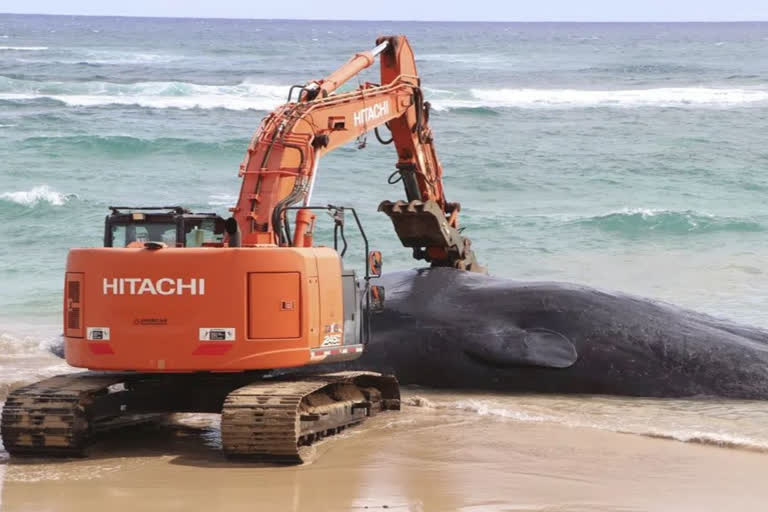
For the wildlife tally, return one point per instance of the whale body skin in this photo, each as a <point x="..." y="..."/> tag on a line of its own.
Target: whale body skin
<point x="444" y="328"/>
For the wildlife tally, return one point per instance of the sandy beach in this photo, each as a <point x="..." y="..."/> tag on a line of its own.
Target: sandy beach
<point x="424" y="458"/>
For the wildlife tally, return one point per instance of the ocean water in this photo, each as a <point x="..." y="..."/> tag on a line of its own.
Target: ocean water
<point x="625" y="156"/>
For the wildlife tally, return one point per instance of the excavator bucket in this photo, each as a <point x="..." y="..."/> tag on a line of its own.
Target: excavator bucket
<point x="421" y="224"/>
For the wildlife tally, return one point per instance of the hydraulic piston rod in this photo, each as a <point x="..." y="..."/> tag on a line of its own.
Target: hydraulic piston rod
<point x="356" y="64"/>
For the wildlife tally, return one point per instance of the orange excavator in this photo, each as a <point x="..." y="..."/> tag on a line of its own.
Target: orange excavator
<point x="188" y="312"/>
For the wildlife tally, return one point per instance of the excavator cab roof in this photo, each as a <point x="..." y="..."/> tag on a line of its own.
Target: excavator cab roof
<point x="173" y="226"/>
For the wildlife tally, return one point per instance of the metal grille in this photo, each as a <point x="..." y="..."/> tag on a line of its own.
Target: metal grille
<point x="73" y="305"/>
<point x="73" y="291"/>
<point x="73" y="318"/>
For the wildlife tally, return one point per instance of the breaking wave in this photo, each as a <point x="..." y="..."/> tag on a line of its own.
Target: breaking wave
<point x="472" y="59"/>
<point x="103" y="58"/>
<point x="255" y="96"/>
<point x="720" y="439"/>
<point x="222" y="200"/>
<point x="182" y="95"/>
<point x="16" y="344"/>
<point x="34" y="348"/>
<point x="638" y="221"/>
<point x="611" y="422"/>
<point x="682" y="97"/>
<point x="37" y="195"/>
<point x="23" y="48"/>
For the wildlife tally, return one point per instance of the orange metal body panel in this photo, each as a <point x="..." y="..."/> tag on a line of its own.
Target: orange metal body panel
<point x="155" y="303"/>
<point x="273" y="305"/>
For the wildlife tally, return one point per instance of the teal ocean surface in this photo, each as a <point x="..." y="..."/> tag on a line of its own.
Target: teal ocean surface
<point x="626" y="156"/>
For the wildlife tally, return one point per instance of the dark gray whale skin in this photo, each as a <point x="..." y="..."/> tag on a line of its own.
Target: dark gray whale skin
<point x="451" y="329"/>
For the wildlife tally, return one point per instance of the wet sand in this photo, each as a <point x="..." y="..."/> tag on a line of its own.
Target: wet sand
<point x="421" y="459"/>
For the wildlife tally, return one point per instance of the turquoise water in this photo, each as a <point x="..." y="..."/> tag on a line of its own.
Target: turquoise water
<point x="627" y="156"/>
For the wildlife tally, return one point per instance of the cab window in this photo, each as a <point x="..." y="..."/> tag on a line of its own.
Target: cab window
<point x="202" y="231"/>
<point x="124" y="234"/>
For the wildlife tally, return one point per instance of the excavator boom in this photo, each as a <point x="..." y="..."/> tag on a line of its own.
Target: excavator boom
<point x="281" y="163"/>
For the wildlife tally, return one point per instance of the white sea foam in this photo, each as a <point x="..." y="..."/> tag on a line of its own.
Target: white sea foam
<point x="35" y="195"/>
<point x="724" y="439"/>
<point x="19" y="344"/>
<point x="248" y="95"/>
<point x="105" y="58"/>
<point x="182" y="95"/>
<point x="684" y="97"/>
<point x="465" y="58"/>
<point x="26" y="354"/>
<point x="184" y="103"/>
<point x="24" y="48"/>
<point x="626" y="211"/>
<point x="648" y="213"/>
<point x="121" y="57"/>
<point x="222" y="200"/>
<point x="611" y="414"/>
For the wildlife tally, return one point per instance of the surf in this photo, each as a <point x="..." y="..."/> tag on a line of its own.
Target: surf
<point x="23" y="48"/>
<point x="37" y="195"/>
<point x="535" y="98"/>
<point x="158" y="95"/>
<point x="645" y="221"/>
<point x="730" y="424"/>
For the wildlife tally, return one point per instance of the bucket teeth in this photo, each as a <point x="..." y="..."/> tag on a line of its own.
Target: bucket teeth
<point x="421" y="224"/>
<point x="389" y="207"/>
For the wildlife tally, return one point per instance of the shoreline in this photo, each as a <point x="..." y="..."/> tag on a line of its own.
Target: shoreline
<point x="419" y="459"/>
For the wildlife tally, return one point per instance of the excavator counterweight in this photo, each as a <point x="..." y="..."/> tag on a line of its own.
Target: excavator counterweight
<point x="189" y="312"/>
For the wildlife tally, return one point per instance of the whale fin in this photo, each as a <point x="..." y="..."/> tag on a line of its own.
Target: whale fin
<point x="522" y="347"/>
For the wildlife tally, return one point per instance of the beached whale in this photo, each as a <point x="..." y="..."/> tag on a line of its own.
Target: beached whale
<point x="445" y="328"/>
<point x="450" y="329"/>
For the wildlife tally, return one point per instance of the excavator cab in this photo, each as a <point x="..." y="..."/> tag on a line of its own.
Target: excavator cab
<point x="173" y="226"/>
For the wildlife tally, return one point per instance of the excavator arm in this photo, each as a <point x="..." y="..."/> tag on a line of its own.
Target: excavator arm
<point x="280" y="166"/>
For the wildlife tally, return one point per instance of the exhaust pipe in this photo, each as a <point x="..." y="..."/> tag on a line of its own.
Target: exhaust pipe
<point x="233" y="230"/>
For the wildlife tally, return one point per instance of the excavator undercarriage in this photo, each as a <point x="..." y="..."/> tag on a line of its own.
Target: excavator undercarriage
<point x="265" y="419"/>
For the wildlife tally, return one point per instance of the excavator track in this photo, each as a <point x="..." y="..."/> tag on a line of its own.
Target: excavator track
<point x="266" y="419"/>
<point x="280" y="420"/>
<point x="58" y="416"/>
